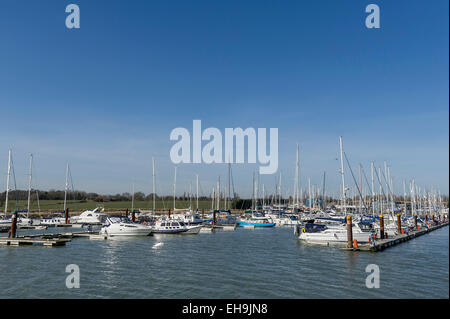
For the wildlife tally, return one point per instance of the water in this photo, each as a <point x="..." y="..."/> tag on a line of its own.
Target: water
<point x="259" y="263"/>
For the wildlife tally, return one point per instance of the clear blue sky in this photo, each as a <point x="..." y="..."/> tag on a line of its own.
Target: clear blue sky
<point x="105" y="97"/>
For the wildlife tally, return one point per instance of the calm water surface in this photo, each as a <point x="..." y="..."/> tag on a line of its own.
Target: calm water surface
<point x="260" y="263"/>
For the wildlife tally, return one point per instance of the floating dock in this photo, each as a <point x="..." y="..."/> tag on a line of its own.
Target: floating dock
<point x="48" y="240"/>
<point x="382" y="244"/>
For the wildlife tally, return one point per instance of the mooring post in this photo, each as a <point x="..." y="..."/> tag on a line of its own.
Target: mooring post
<point x="133" y="216"/>
<point x="349" y="232"/>
<point x="399" y="224"/>
<point x="12" y="234"/>
<point x="426" y="218"/>
<point x="415" y="221"/>
<point x="381" y="227"/>
<point x="66" y="215"/>
<point x="214" y="217"/>
<point x="203" y="213"/>
<point x="126" y="213"/>
<point x="169" y="213"/>
<point x="432" y="216"/>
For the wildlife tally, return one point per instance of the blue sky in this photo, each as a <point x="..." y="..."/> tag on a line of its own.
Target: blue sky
<point x="105" y="97"/>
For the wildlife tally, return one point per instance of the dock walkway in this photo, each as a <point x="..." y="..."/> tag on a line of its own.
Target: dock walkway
<point x="382" y="244"/>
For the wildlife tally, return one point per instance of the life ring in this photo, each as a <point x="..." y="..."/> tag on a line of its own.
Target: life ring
<point x="303" y="230"/>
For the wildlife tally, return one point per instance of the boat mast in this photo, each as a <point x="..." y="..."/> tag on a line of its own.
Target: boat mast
<point x="132" y="199"/>
<point x="373" y="190"/>
<point x="174" y="187"/>
<point x="7" y="181"/>
<point x="323" y="193"/>
<point x="29" y="185"/>
<point x="342" y="175"/>
<point x="309" y="192"/>
<point x="67" y="186"/>
<point x="295" y="196"/>
<point x="197" y="190"/>
<point x="218" y="193"/>
<point x="153" y="182"/>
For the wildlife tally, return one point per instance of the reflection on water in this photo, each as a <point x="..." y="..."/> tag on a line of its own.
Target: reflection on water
<point x="245" y="263"/>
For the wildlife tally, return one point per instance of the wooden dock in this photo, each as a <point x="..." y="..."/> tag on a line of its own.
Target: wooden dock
<point x="382" y="244"/>
<point x="48" y="240"/>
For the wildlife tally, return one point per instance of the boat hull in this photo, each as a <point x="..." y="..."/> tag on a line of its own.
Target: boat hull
<point x="242" y="223"/>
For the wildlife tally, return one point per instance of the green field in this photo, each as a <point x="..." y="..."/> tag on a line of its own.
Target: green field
<point x="58" y="205"/>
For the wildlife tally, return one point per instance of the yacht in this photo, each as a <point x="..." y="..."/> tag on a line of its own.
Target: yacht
<point x="90" y="217"/>
<point x="122" y="226"/>
<point x="257" y="220"/>
<point x="170" y="226"/>
<point x="325" y="234"/>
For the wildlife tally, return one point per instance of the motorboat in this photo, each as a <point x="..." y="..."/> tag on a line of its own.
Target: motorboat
<point x="53" y="221"/>
<point x="90" y="217"/>
<point x="325" y="234"/>
<point x="172" y="226"/>
<point x="256" y="219"/>
<point x="122" y="226"/>
<point x="189" y="218"/>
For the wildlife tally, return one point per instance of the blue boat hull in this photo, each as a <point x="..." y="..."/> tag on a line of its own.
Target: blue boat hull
<point x="241" y="223"/>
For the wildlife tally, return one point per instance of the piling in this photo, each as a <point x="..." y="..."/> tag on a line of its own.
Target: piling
<point x="13" y="231"/>
<point x="126" y="213"/>
<point x="426" y="218"/>
<point x="66" y="215"/>
<point x="133" y="215"/>
<point x="381" y="227"/>
<point x="214" y="218"/>
<point x="399" y="224"/>
<point x="169" y="213"/>
<point x="349" y="232"/>
<point x="415" y="222"/>
<point x="432" y="216"/>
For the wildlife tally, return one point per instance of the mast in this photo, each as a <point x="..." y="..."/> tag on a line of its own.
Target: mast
<point x="7" y="181"/>
<point x="373" y="189"/>
<point x="218" y="193"/>
<point x="174" y="187"/>
<point x="309" y="192"/>
<point x="197" y="190"/>
<point x="67" y="186"/>
<point x="323" y="193"/>
<point x="295" y="196"/>
<point x="342" y="175"/>
<point x="132" y="199"/>
<point x="229" y="185"/>
<point x="153" y="183"/>
<point x="29" y="185"/>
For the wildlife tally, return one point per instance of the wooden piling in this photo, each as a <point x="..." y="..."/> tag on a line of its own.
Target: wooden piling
<point x="13" y="231"/>
<point x="169" y="213"/>
<point x="432" y="216"/>
<point x="214" y="218"/>
<point x="381" y="227"/>
<point x="415" y="221"/>
<point x="426" y="218"/>
<point x="66" y="215"/>
<point x="349" y="232"/>
<point x="399" y="224"/>
<point x="126" y="213"/>
<point x="133" y="216"/>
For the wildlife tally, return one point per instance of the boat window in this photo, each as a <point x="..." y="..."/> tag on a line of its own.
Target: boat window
<point x="163" y="224"/>
<point x="175" y="224"/>
<point x="181" y="224"/>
